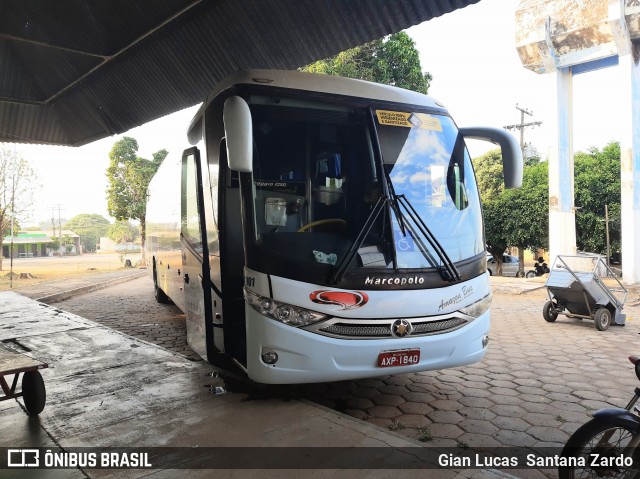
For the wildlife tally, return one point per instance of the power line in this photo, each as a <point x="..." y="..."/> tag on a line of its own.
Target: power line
<point x="522" y="125"/>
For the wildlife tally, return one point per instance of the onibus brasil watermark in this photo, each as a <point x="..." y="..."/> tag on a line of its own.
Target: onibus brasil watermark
<point x="33" y="458"/>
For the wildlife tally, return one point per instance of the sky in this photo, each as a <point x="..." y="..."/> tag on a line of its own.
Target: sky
<point x="477" y="75"/>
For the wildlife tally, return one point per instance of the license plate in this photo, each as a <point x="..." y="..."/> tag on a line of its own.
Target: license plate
<point x="404" y="357"/>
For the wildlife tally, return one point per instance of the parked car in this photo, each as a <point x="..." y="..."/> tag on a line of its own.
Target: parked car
<point x="510" y="265"/>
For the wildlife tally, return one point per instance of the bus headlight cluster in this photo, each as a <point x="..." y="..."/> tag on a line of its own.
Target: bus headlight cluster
<point x="283" y="312"/>
<point x="478" y="308"/>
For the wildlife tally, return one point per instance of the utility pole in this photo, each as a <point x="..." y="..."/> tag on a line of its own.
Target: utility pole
<point x="53" y="222"/>
<point x="606" y="223"/>
<point x="59" y="230"/>
<point x="522" y="125"/>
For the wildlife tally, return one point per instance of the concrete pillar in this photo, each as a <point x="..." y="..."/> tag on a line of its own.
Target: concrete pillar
<point x="562" y="219"/>
<point x="630" y="170"/>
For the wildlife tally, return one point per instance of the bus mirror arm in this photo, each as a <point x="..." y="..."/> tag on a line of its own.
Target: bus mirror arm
<point x="512" y="163"/>
<point x="238" y="133"/>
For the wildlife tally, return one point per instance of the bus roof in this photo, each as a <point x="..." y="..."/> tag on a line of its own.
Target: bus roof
<point x="321" y="83"/>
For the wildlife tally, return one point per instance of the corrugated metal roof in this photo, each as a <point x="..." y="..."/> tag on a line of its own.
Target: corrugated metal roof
<point x="75" y="71"/>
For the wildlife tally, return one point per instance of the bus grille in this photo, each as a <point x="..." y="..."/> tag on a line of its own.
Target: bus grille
<point x="384" y="331"/>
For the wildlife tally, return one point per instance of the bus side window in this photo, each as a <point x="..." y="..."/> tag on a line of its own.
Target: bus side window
<point x="190" y="214"/>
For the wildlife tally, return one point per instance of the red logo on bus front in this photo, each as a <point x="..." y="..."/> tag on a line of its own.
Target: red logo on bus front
<point x="345" y="299"/>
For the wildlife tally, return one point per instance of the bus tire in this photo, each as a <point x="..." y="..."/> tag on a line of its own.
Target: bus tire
<point x="34" y="393"/>
<point x="161" y="296"/>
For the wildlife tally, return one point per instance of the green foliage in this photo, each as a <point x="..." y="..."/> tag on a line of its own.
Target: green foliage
<point x="516" y="217"/>
<point x="7" y="229"/>
<point x="527" y="224"/>
<point x="393" y="60"/>
<point x="489" y="177"/>
<point x="495" y="234"/>
<point x="129" y="177"/>
<point x="90" y="227"/>
<point x="597" y="183"/>
<point x="122" y="232"/>
<point x="519" y="217"/>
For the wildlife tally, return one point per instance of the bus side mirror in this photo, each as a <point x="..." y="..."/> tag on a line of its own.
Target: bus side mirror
<point x="238" y="133"/>
<point x="511" y="153"/>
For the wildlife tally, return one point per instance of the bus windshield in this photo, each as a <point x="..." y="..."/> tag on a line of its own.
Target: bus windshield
<point x="430" y="168"/>
<point x="320" y="171"/>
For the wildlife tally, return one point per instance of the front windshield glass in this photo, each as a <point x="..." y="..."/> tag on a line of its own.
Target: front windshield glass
<point x="317" y="178"/>
<point x="429" y="165"/>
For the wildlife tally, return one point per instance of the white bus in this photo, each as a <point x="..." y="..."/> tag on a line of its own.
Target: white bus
<point x="320" y="228"/>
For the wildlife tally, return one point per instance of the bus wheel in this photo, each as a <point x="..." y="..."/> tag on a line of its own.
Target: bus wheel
<point x="34" y="394"/>
<point x="160" y="295"/>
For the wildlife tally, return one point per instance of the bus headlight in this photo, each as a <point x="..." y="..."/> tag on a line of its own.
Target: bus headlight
<point x="478" y="308"/>
<point x="282" y="312"/>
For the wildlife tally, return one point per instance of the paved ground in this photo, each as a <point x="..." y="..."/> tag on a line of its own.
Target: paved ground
<point x="130" y="307"/>
<point x="106" y="389"/>
<point x="538" y="383"/>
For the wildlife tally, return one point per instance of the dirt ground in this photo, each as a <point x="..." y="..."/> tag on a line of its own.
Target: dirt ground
<point x="47" y="268"/>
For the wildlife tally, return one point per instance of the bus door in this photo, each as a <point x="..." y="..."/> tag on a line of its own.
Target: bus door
<point x="195" y="257"/>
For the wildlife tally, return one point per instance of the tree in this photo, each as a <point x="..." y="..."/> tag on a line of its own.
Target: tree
<point x="129" y="177"/>
<point x="90" y="227"/>
<point x="488" y="170"/>
<point x="516" y="217"/>
<point x="393" y="60"/>
<point x="489" y="176"/>
<point x="17" y="182"/>
<point x="527" y="224"/>
<point x="122" y="232"/>
<point x="520" y="217"/>
<point x="597" y="183"/>
<point x="495" y="234"/>
<point x="67" y="243"/>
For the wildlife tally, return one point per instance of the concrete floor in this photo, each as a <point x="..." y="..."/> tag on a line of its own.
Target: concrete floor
<point x="108" y="389"/>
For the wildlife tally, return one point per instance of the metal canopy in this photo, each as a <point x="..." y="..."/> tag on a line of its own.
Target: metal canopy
<point x="75" y="71"/>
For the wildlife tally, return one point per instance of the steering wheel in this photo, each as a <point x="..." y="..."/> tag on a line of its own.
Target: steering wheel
<point x="337" y="221"/>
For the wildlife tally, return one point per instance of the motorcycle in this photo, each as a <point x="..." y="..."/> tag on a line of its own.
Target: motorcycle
<point x="608" y="445"/>
<point x="539" y="269"/>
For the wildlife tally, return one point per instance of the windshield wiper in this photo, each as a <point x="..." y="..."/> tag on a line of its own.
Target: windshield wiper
<point x="382" y="201"/>
<point x="371" y="219"/>
<point x="448" y="269"/>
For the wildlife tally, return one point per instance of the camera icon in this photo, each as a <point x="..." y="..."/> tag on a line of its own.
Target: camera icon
<point x="23" y="458"/>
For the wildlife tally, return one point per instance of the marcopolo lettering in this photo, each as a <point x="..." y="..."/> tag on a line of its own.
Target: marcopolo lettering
<point x="393" y="281"/>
